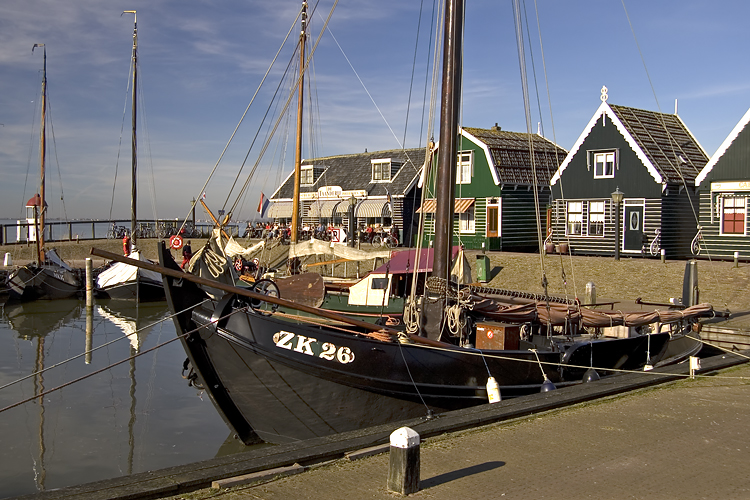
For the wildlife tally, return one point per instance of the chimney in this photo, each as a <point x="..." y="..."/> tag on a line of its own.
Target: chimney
<point x="496" y="128"/>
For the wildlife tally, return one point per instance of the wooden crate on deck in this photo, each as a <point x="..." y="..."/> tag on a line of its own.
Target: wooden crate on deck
<point x="491" y="335"/>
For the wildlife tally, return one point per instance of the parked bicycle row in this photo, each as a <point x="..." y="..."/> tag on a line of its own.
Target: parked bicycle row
<point x="374" y="235"/>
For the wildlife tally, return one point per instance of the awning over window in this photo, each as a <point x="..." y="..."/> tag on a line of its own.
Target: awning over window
<point x="323" y="209"/>
<point x="460" y="206"/>
<point x="280" y="210"/>
<point x="373" y="209"/>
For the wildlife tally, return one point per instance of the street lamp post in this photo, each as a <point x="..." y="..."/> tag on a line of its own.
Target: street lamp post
<point x="352" y="202"/>
<point x="617" y="197"/>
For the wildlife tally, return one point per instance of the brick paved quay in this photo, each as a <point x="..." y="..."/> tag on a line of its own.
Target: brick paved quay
<point x="685" y="440"/>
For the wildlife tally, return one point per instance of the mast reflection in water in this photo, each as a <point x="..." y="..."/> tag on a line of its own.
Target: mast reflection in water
<point x="137" y="416"/>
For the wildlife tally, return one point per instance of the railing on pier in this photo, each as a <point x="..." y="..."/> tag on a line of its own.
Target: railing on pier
<point x="81" y="230"/>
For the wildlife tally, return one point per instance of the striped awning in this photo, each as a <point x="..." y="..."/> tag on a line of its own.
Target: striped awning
<point x="280" y="210"/>
<point x="322" y="209"/>
<point x="373" y="209"/>
<point x="460" y="206"/>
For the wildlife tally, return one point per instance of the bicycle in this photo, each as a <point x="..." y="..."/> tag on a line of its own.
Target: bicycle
<point x="655" y="248"/>
<point x="117" y="232"/>
<point x="384" y="240"/>
<point x="695" y="245"/>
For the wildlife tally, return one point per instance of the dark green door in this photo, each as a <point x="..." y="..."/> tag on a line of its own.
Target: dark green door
<point x="633" y="228"/>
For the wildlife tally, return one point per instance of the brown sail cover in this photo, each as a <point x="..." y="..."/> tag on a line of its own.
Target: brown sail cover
<point x="561" y="314"/>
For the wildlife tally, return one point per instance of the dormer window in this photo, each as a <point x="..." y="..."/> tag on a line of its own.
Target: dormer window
<point x="384" y="169"/>
<point x="309" y="174"/>
<point x="604" y="165"/>
<point x="306" y="177"/>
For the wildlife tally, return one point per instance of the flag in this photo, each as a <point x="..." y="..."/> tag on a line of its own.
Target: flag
<point x="263" y="205"/>
<point x="203" y="196"/>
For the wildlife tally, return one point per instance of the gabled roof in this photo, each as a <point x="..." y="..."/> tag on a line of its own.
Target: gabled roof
<point x="661" y="141"/>
<point x="723" y="148"/>
<point x="354" y="172"/>
<point x="509" y="158"/>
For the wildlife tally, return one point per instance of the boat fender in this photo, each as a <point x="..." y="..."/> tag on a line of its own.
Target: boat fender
<point x="547" y="385"/>
<point x="493" y="390"/>
<point x="591" y="375"/>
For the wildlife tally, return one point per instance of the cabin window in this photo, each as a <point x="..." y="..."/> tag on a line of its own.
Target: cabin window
<point x="733" y="215"/>
<point x="596" y="218"/>
<point x="381" y="170"/>
<point x="575" y="218"/>
<point x="466" y="221"/>
<point x="604" y="165"/>
<point x="465" y="167"/>
<point x="306" y="177"/>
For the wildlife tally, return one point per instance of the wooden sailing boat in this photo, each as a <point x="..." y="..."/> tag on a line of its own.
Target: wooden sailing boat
<point x="122" y="281"/>
<point x="279" y="378"/>
<point x="49" y="277"/>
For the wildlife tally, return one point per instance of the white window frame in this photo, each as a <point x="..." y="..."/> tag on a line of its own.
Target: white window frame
<point x="464" y="167"/>
<point x="599" y="214"/>
<point x="722" y="212"/>
<point x="604" y="156"/>
<point x="305" y="175"/>
<point x="383" y="169"/>
<point x="577" y="207"/>
<point x="467" y="221"/>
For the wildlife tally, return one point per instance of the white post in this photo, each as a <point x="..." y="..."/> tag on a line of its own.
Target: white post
<point x="663" y="255"/>
<point x="89" y="283"/>
<point x="695" y="364"/>
<point x="736" y="259"/>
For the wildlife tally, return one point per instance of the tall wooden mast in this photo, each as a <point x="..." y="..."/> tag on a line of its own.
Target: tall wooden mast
<point x="445" y="177"/>
<point x="134" y="141"/>
<point x="298" y="149"/>
<point x="42" y="155"/>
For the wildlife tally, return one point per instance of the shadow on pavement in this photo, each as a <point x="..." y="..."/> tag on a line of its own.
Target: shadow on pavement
<point x="458" y="474"/>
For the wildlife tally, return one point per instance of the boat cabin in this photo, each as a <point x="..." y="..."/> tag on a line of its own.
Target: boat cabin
<point x="724" y="187"/>
<point x="628" y="179"/>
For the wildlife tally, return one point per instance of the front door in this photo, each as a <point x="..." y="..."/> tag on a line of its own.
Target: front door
<point x="493" y="221"/>
<point x="632" y="236"/>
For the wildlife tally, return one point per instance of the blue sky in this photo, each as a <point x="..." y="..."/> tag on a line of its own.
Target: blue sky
<point x="202" y="60"/>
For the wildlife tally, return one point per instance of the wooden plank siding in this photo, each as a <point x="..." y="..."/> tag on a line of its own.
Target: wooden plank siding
<point x="519" y="223"/>
<point x="679" y="221"/>
<point x="716" y="245"/>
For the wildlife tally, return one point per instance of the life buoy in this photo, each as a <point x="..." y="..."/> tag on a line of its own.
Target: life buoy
<point x="175" y="242"/>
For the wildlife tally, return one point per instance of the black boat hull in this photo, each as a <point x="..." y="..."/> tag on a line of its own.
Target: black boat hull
<point x="281" y="380"/>
<point x="42" y="283"/>
<point x="142" y="290"/>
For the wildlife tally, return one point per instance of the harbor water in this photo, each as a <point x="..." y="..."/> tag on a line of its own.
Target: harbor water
<point x="136" y="416"/>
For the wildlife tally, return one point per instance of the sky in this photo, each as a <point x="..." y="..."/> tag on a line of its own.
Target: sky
<point x="201" y="61"/>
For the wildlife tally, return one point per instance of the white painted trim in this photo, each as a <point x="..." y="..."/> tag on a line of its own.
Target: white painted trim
<point x="487" y="155"/>
<point x="604" y="109"/>
<point x="723" y="148"/>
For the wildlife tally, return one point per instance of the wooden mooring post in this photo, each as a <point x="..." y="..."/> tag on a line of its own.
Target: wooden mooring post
<point x="403" y="470"/>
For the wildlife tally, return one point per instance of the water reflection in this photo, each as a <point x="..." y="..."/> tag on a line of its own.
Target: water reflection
<point x="139" y="415"/>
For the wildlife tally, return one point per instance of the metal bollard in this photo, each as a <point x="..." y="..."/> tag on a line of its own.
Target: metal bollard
<point x="736" y="259"/>
<point x="403" y="470"/>
<point x="663" y="256"/>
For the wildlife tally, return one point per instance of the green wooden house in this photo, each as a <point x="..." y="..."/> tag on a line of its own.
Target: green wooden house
<point x="724" y="188"/>
<point x="651" y="159"/>
<point x="498" y="174"/>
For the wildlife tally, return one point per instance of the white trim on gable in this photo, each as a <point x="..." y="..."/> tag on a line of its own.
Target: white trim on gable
<point x="487" y="155"/>
<point x="604" y="109"/>
<point x="723" y="148"/>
